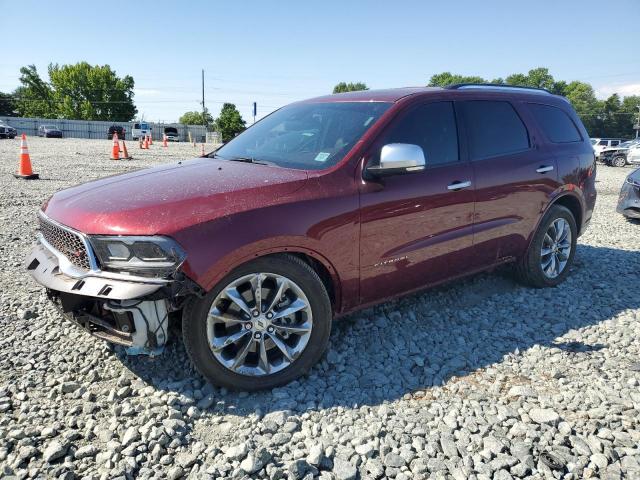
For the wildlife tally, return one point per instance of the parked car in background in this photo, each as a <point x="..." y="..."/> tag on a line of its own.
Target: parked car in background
<point x="629" y="200"/>
<point x="617" y="156"/>
<point x="140" y="130"/>
<point x="116" y="129"/>
<point x="323" y="207"/>
<point x="49" y="131"/>
<point x="7" y="131"/>
<point x="172" y="134"/>
<point x="600" y="144"/>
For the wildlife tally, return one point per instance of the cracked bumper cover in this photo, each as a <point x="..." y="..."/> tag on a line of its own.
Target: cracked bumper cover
<point x="44" y="266"/>
<point x="129" y="311"/>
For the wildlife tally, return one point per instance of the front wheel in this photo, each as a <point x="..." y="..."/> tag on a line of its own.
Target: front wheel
<point x="550" y="255"/>
<point x="264" y="325"/>
<point x="619" y="161"/>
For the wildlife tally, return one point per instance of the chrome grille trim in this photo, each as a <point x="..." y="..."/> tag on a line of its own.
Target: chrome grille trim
<point x="72" y="244"/>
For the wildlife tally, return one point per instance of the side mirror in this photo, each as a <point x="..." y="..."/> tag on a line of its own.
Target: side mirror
<point x="398" y="158"/>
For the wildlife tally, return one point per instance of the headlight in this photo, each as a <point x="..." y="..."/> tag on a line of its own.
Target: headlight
<point x="145" y="256"/>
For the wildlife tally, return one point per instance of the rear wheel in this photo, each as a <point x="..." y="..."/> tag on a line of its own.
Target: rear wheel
<point x="263" y="325"/>
<point x="619" y="161"/>
<point x="551" y="251"/>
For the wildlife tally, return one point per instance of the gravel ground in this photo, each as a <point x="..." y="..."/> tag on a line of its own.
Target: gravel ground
<point x="479" y="379"/>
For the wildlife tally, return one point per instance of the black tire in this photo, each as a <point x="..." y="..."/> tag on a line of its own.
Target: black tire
<point x="194" y="326"/>
<point x="529" y="270"/>
<point x="619" y="161"/>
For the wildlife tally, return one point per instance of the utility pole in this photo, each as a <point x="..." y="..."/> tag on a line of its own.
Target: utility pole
<point x="204" y="110"/>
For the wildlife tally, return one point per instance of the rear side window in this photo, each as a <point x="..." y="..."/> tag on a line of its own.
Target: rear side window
<point x="431" y="126"/>
<point x="493" y="128"/>
<point x="555" y="123"/>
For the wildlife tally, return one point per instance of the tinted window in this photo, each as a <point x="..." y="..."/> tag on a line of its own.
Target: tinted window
<point x="603" y="142"/>
<point x="431" y="126"/>
<point x="614" y="143"/>
<point x="555" y="124"/>
<point x="493" y="128"/>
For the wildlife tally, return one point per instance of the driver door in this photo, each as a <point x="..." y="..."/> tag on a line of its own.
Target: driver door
<point x="417" y="228"/>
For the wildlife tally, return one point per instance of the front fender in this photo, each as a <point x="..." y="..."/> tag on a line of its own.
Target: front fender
<point x="325" y="229"/>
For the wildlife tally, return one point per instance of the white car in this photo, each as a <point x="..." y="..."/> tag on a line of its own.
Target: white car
<point x="621" y="155"/>
<point x="600" y="144"/>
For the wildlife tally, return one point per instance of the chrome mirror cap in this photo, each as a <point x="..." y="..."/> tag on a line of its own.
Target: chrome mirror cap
<point x="399" y="158"/>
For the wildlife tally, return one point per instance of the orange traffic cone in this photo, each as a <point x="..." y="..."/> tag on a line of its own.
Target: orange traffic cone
<point x="115" y="151"/>
<point x="164" y="141"/>
<point x="24" y="168"/>
<point x="125" y="154"/>
<point x="145" y="145"/>
<point x="150" y="140"/>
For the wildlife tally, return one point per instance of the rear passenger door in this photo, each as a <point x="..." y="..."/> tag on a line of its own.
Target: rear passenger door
<point x="514" y="178"/>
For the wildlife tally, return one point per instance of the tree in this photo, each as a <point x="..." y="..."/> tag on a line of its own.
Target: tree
<point x="537" y="78"/>
<point x="447" y="78"/>
<point x="7" y="105"/>
<point x="80" y="91"/>
<point x="195" y="118"/>
<point x="35" y="97"/>
<point x="230" y="122"/>
<point x="609" y="118"/>
<point x="349" y="87"/>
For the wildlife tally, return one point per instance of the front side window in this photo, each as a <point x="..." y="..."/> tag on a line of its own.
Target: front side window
<point x="603" y="142"/>
<point x="615" y="142"/>
<point x="432" y="126"/>
<point x="305" y="136"/>
<point x="555" y="123"/>
<point x="493" y="129"/>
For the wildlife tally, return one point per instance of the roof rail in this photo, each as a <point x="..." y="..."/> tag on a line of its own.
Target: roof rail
<point x="459" y="86"/>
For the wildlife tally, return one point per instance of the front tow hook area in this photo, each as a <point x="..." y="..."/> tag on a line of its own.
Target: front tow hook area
<point x="141" y="325"/>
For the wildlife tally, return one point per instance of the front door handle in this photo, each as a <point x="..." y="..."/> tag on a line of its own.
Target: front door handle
<point x="544" y="169"/>
<point x="455" y="186"/>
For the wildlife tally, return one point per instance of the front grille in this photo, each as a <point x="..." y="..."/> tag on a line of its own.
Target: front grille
<point x="66" y="242"/>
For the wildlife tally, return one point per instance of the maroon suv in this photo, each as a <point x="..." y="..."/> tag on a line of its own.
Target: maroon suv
<point x="321" y="208"/>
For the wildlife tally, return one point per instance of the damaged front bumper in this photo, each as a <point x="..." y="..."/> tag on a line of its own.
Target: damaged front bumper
<point x="629" y="199"/>
<point x="123" y="309"/>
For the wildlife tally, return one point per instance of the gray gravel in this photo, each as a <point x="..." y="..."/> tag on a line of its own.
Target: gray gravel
<point x="477" y="380"/>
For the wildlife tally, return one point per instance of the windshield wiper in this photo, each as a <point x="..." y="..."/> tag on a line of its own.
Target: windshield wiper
<point x="241" y="159"/>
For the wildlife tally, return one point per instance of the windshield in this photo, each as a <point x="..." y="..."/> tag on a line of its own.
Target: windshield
<point x="628" y="144"/>
<point x="307" y="136"/>
<point x="594" y="141"/>
<point x="170" y="130"/>
<point x="50" y="127"/>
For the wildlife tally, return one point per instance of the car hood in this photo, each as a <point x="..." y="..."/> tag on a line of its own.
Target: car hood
<point x="169" y="198"/>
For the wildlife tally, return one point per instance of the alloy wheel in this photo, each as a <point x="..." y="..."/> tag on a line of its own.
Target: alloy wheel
<point x="556" y="248"/>
<point x="259" y="324"/>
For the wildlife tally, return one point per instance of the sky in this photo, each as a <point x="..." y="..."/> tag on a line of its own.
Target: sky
<point x="277" y="52"/>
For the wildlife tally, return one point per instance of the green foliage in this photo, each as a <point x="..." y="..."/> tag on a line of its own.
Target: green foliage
<point x="80" y="91"/>
<point x="447" y="78"/>
<point x="349" y="87"/>
<point x="609" y="118"/>
<point x="7" y="105"/>
<point x="230" y="122"/>
<point x="195" y="118"/>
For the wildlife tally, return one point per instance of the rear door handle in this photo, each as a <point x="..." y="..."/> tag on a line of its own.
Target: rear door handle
<point x="544" y="169"/>
<point x="459" y="185"/>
